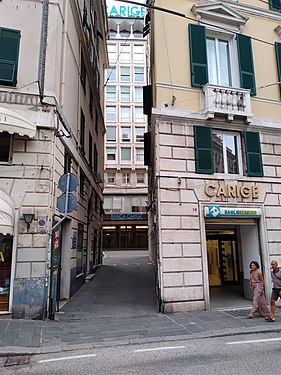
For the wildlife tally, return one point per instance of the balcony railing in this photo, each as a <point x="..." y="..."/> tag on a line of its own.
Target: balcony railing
<point x="228" y="101"/>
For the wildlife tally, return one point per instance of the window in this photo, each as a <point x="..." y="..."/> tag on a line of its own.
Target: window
<point x="67" y="160"/>
<point x="111" y="178"/>
<point x="124" y="33"/>
<point x="111" y="153"/>
<point x="139" y="154"/>
<point x="221" y="59"/>
<point x="138" y="52"/>
<point x="5" y="147"/>
<point x="125" y="93"/>
<point x="275" y="5"/>
<point x="138" y="94"/>
<point x="111" y="93"/>
<point x="83" y="72"/>
<point x="96" y="159"/>
<point x="82" y="183"/>
<point x="139" y="74"/>
<point x="138" y="204"/>
<point x="82" y="131"/>
<point x="111" y="48"/>
<point x="91" y="103"/>
<point x="111" y="133"/>
<point x="9" y="53"/>
<point x="220" y="152"/>
<point x="116" y="204"/>
<point x="125" y="53"/>
<point x="79" y="252"/>
<point x="139" y="134"/>
<point x="140" y="178"/>
<point x="90" y="149"/>
<point x="111" y="74"/>
<point x="126" y="114"/>
<point x="225" y="152"/>
<point x="139" y="116"/>
<point x="125" y="134"/>
<point x="126" y="154"/>
<point x="278" y="59"/>
<point x="125" y="74"/>
<point x="126" y="178"/>
<point x="110" y="113"/>
<point x="219" y="69"/>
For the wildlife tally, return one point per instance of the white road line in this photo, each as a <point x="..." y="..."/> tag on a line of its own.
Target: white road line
<point x="66" y="358"/>
<point x="252" y="341"/>
<point x="160" y="348"/>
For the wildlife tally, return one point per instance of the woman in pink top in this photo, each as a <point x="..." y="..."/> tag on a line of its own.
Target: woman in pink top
<point x="257" y="285"/>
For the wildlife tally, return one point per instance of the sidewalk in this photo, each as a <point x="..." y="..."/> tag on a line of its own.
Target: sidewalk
<point x="118" y="307"/>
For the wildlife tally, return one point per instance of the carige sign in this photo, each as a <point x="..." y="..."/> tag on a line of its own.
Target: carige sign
<point x="125" y="11"/>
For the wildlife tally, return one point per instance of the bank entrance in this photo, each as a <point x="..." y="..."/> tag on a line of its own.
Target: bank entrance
<point x="230" y="249"/>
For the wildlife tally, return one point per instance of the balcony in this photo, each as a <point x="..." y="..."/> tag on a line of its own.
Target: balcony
<point x="231" y="102"/>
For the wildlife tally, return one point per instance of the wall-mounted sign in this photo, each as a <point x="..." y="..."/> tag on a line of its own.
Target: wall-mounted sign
<point x="125" y="11"/>
<point x="42" y="224"/>
<point x="218" y="212"/>
<point x="125" y="216"/>
<point x="231" y="190"/>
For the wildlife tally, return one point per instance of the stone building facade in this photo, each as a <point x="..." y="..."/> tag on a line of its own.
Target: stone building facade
<point x="51" y="124"/>
<point x="214" y="147"/>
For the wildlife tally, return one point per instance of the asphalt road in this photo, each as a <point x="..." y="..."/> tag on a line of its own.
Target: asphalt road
<point x="242" y="354"/>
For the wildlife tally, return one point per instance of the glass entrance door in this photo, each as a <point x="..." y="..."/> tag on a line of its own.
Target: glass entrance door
<point x="222" y="259"/>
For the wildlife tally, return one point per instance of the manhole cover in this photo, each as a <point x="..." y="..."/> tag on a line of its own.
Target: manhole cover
<point x="17" y="361"/>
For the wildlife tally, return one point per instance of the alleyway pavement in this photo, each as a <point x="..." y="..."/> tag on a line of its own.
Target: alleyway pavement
<point x="119" y="307"/>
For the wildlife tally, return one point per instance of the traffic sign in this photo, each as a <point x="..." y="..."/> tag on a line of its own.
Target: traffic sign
<point x="71" y="202"/>
<point x="73" y="182"/>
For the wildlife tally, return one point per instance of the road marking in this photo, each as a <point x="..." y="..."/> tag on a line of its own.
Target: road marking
<point x="66" y="358"/>
<point x="160" y="348"/>
<point x="252" y="341"/>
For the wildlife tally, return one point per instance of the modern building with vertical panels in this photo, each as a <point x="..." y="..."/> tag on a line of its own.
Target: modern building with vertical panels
<point x="215" y="149"/>
<point x="52" y="61"/>
<point x="125" y="194"/>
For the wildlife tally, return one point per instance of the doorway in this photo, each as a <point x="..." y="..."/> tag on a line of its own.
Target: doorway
<point x="222" y="253"/>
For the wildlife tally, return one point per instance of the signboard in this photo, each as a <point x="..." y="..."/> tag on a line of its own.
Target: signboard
<point x="216" y="212"/>
<point x="125" y="216"/>
<point x="42" y="224"/>
<point x="125" y="10"/>
<point x="56" y="247"/>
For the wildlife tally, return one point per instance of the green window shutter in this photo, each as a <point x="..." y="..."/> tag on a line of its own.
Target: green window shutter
<point x="275" y="5"/>
<point x="9" y="53"/>
<point x="246" y="63"/>
<point x="253" y="154"/>
<point x="278" y="59"/>
<point x="198" y="55"/>
<point x="203" y="149"/>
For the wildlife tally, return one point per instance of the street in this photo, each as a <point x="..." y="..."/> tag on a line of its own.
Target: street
<point x="241" y="354"/>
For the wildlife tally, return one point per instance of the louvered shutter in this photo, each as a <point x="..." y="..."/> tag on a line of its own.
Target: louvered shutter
<point x="278" y="59"/>
<point x="9" y="51"/>
<point x="203" y="149"/>
<point x="246" y="63"/>
<point x="198" y="55"/>
<point x="253" y="154"/>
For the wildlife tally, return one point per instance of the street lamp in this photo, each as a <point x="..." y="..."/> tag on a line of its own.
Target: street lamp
<point x="28" y="219"/>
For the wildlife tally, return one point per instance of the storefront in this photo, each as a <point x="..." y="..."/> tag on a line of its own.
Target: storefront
<point x="125" y="231"/>
<point x="6" y="250"/>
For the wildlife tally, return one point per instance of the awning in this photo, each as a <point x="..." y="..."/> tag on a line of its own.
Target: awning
<point x="12" y="122"/>
<point x="6" y="214"/>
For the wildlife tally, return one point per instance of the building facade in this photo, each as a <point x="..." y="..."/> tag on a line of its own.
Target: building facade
<point x="125" y="193"/>
<point x="214" y="146"/>
<point x="51" y="124"/>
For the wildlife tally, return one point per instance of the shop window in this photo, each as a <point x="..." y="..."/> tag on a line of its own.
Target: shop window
<point x="5" y="270"/>
<point x="220" y="152"/>
<point x="5" y="147"/>
<point x="9" y="54"/>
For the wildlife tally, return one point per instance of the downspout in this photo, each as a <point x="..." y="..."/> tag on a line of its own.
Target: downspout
<point x="43" y="49"/>
<point x="63" y="53"/>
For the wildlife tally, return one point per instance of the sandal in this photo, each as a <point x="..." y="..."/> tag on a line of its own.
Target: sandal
<point x="269" y="319"/>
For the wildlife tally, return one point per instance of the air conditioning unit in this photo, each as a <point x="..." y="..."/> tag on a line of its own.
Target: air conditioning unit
<point x="98" y="178"/>
<point x="125" y="136"/>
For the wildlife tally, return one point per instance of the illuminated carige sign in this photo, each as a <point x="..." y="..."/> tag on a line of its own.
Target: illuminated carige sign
<point x="125" y="11"/>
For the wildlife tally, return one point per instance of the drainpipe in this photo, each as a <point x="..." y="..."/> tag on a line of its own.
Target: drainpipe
<point x="43" y="49"/>
<point x="63" y="53"/>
